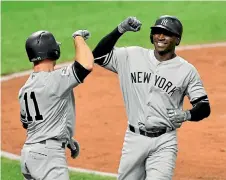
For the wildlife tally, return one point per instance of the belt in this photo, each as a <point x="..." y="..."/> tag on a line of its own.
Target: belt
<point x="158" y="132"/>
<point x="63" y="145"/>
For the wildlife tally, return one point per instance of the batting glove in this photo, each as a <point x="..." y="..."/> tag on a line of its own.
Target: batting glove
<point x="73" y="145"/>
<point x="129" y="24"/>
<point x="177" y="116"/>
<point x="84" y="33"/>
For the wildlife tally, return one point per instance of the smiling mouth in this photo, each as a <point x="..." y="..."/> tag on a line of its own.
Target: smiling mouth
<point x="161" y="44"/>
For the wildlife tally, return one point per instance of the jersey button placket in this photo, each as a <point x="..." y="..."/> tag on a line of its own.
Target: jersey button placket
<point x="157" y="68"/>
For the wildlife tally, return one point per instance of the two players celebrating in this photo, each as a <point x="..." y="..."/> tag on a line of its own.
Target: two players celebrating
<point x="152" y="113"/>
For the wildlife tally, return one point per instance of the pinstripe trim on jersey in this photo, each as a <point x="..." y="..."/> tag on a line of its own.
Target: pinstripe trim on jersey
<point x="100" y="60"/>
<point x="106" y="62"/>
<point x="23" y="118"/>
<point x="76" y="77"/>
<point x="200" y="99"/>
<point x="104" y="56"/>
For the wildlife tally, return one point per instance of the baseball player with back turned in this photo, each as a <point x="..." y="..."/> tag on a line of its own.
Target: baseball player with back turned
<point x="154" y="84"/>
<point x="47" y="105"/>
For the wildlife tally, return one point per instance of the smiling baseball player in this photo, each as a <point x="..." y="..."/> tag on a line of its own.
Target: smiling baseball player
<point x="47" y="105"/>
<point x="154" y="84"/>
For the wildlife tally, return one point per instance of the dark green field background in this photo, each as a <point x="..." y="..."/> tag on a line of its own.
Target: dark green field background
<point x="203" y="22"/>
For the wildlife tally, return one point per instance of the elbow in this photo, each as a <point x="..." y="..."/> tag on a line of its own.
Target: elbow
<point x="208" y="111"/>
<point x="200" y="112"/>
<point x="89" y="63"/>
<point x="88" y="67"/>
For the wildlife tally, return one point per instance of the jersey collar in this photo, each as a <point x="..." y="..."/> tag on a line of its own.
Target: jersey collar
<point x="157" y="62"/>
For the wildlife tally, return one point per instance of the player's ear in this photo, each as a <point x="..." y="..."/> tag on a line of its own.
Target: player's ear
<point x="151" y="38"/>
<point x="177" y="41"/>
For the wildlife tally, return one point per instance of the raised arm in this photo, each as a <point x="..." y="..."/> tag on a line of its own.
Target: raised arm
<point x="107" y="43"/>
<point x="83" y="54"/>
<point x="64" y="79"/>
<point x="84" y="59"/>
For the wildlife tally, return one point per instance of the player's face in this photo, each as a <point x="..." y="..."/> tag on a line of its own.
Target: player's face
<point x="164" y="41"/>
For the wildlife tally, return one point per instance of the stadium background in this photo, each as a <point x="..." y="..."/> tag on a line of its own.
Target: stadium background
<point x="101" y="118"/>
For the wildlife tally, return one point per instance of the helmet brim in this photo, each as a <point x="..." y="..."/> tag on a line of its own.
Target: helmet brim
<point x="166" y="28"/>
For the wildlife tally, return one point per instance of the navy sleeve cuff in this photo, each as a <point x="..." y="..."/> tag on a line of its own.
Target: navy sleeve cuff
<point x="201" y="109"/>
<point x="79" y="71"/>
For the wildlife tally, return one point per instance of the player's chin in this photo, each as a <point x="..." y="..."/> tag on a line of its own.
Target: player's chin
<point x="161" y="49"/>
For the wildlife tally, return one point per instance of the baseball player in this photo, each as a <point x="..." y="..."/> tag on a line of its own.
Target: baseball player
<point x="47" y="105"/>
<point x="154" y="84"/>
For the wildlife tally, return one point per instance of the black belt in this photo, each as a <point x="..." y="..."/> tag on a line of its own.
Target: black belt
<point x="158" y="132"/>
<point x="63" y="145"/>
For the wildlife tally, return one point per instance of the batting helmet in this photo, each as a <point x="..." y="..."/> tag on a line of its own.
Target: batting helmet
<point x="169" y="23"/>
<point x="42" y="45"/>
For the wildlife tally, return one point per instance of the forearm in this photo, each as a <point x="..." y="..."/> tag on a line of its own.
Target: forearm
<point x="200" y="110"/>
<point x="107" y="43"/>
<point x="83" y="53"/>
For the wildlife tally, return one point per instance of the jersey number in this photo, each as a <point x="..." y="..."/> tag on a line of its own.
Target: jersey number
<point x="38" y="115"/>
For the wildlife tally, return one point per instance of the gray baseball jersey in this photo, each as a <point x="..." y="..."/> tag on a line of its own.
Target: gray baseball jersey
<point x="149" y="86"/>
<point x="47" y="104"/>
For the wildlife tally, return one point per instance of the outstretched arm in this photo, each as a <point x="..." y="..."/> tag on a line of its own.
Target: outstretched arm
<point x="84" y="59"/>
<point x="107" y="43"/>
<point x="68" y="77"/>
<point x="83" y="53"/>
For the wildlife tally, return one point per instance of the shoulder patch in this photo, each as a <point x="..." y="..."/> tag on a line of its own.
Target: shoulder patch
<point x="65" y="71"/>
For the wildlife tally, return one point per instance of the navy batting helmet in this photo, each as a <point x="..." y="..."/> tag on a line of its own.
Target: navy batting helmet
<point x="42" y="45"/>
<point x="169" y="23"/>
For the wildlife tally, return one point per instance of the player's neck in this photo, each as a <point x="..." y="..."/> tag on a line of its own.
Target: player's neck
<point x="164" y="56"/>
<point x="45" y="65"/>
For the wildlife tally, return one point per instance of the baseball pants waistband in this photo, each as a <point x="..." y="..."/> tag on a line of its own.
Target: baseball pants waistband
<point x="158" y="132"/>
<point x="64" y="143"/>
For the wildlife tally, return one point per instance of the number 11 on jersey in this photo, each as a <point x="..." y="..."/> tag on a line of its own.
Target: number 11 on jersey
<point x="38" y="116"/>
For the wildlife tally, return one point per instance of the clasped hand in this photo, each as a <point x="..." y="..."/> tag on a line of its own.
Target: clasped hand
<point x="177" y="116"/>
